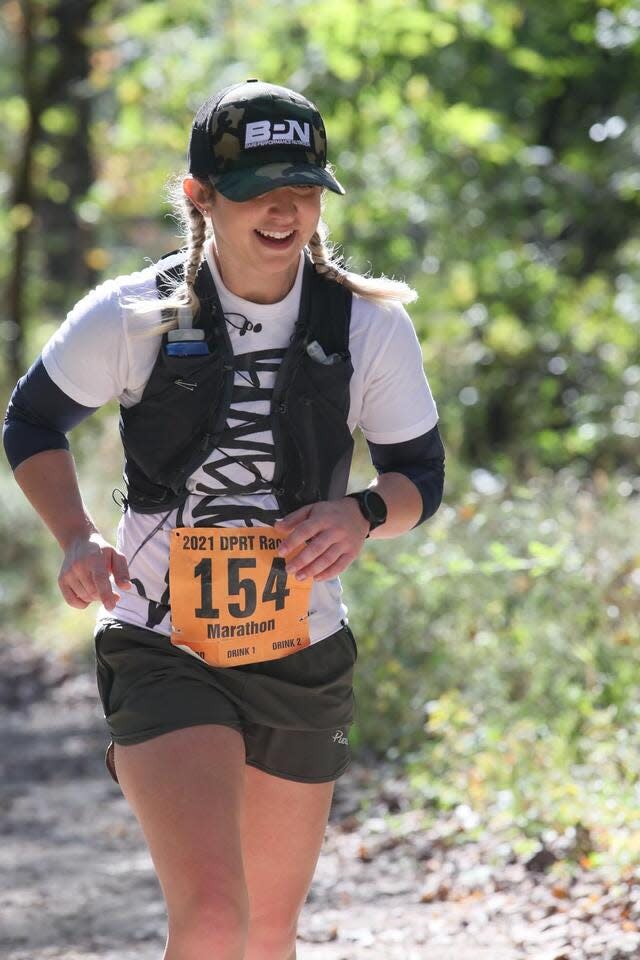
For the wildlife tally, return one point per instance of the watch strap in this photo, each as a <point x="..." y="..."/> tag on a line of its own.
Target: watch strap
<point x="362" y="498"/>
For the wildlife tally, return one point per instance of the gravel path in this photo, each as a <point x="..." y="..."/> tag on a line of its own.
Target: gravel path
<point x="76" y="882"/>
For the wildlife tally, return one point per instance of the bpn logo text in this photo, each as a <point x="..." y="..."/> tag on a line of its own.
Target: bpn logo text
<point x="262" y="133"/>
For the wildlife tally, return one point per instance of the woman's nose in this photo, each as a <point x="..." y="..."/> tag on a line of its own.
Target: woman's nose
<point x="282" y="201"/>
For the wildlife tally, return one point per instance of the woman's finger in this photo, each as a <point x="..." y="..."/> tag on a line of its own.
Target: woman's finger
<point x="314" y="549"/>
<point x="81" y="584"/>
<point x="119" y="569"/>
<point x="305" y="531"/>
<point x="336" y="568"/>
<point x="317" y="566"/>
<point x="102" y="586"/>
<point x="71" y="598"/>
<point x="288" y="523"/>
<point x="84" y="595"/>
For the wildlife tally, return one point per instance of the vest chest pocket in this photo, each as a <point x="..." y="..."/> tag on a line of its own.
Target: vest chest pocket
<point x="174" y="411"/>
<point x="179" y="375"/>
<point x="327" y="385"/>
<point x="317" y="423"/>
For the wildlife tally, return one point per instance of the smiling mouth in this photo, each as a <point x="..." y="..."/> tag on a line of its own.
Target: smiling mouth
<point x="276" y="237"/>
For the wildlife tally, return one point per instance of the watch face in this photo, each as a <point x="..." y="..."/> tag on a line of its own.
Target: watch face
<point x="375" y="506"/>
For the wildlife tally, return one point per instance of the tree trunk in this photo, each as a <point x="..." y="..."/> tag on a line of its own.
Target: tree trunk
<point x="21" y="197"/>
<point x="64" y="237"/>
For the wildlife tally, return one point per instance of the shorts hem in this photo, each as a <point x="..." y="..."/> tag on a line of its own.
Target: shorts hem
<point x="133" y="739"/>
<point x="288" y="776"/>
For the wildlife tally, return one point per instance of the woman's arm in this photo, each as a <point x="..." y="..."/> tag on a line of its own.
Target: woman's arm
<point x="38" y="417"/>
<point x="48" y="480"/>
<point x="410" y="481"/>
<point x="421" y="461"/>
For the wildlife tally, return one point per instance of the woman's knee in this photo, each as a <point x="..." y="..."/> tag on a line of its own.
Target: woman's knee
<point x="209" y="924"/>
<point x="272" y="939"/>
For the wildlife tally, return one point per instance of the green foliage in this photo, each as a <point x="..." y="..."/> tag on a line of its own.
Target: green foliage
<point x="499" y="655"/>
<point x="490" y="154"/>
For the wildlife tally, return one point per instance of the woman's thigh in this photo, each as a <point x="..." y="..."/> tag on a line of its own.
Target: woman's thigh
<point x="186" y="788"/>
<point x="283" y="827"/>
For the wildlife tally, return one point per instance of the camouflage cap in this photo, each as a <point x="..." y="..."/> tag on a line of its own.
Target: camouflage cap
<point x="253" y="137"/>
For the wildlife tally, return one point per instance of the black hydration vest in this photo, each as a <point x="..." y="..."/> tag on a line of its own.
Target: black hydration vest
<point x="185" y="404"/>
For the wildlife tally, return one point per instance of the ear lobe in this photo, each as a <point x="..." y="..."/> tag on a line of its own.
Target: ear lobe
<point x="198" y="194"/>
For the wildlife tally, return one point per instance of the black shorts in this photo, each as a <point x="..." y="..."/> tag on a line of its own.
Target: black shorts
<point x="294" y="713"/>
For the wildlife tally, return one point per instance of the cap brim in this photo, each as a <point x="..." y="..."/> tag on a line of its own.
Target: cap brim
<point x="242" y="185"/>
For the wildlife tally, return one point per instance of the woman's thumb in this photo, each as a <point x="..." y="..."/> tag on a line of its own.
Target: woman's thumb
<point x="120" y="569"/>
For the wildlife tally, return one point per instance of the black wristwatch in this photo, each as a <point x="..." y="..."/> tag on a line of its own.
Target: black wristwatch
<point x="372" y="507"/>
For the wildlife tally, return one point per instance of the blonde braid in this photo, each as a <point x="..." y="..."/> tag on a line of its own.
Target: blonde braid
<point x="378" y="289"/>
<point x="182" y="296"/>
<point x="197" y="234"/>
<point x="322" y="256"/>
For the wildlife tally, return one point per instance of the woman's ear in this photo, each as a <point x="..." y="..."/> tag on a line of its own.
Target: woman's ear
<point x="199" y="194"/>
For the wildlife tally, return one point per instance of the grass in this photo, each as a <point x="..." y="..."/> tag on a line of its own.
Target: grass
<point x="499" y="660"/>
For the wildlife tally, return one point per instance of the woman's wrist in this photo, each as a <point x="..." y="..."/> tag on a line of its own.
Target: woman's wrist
<point x="48" y="480"/>
<point x="76" y="534"/>
<point x="404" y="505"/>
<point x="358" y="514"/>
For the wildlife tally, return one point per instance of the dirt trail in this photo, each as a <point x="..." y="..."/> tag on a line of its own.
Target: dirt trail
<point x="76" y="882"/>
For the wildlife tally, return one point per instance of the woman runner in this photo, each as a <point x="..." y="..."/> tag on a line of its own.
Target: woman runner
<point x="242" y="365"/>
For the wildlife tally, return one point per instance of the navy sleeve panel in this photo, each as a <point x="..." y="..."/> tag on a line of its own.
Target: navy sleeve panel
<point x="38" y="416"/>
<point x="421" y="460"/>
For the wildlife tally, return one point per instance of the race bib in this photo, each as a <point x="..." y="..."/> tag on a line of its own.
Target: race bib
<point x="232" y="601"/>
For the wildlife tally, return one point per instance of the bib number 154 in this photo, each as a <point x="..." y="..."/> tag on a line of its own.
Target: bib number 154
<point x="241" y="583"/>
<point x="231" y="599"/>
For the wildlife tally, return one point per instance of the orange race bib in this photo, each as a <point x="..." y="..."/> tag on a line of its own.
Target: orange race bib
<point x="232" y="601"/>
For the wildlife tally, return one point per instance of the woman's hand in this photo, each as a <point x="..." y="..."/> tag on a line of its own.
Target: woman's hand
<point x="333" y="531"/>
<point x="84" y="577"/>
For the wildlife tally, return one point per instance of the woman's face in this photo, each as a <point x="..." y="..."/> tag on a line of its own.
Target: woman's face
<point x="258" y="241"/>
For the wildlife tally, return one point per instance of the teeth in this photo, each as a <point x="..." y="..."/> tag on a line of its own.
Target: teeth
<point x="276" y="236"/>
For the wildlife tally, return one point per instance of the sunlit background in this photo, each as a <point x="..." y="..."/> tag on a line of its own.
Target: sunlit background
<point x="491" y="156"/>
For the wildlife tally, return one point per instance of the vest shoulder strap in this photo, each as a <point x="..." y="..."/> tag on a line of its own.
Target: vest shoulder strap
<point x="327" y="307"/>
<point x="204" y="288"/>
